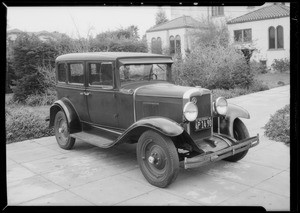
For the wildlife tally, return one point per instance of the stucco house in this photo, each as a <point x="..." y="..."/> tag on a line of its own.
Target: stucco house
<point x="172" y="36"/>
<point x="267" y="25"/>
<point x="266" y="31"/>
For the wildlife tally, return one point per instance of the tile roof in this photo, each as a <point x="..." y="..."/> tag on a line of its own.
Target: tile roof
<point x="269" y="12"/>
<point x="180" y="22"/>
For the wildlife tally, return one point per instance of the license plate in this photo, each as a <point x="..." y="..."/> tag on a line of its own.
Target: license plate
<point x="203" y="123"/>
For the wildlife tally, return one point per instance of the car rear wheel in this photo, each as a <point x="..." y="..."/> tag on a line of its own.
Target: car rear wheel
<point x="158" y="158"/>
<point x="240" y="132"/>
<point x="62" y="132"/>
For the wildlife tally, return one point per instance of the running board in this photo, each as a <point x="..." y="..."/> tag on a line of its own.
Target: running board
<point x="94" y="139"/>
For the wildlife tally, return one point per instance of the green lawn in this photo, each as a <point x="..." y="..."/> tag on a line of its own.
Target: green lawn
<point x="272" y="79"/>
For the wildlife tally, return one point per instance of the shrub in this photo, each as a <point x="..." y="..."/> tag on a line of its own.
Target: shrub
<point x="278" y="127"/>
<point x="281" y="65"/>
<point x="213" y="68"/>
<point x="231" y="93"/>
<point x="22" y="124"/>
<point x="41" y="99"/>
<point x="257" y="86"/>
<point x="258" y="67"/>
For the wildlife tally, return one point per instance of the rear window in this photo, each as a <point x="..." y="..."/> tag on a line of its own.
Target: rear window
<point x="62" y="73"/>
<point x="76" y="73"/>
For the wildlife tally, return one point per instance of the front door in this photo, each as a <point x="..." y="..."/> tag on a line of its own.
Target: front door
<point x="100" y="93"/>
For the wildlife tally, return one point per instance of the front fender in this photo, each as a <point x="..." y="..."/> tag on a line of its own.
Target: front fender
<point x="165" y="126"/>
<point x="70" y="112"/>
<point x="233" y="112"/>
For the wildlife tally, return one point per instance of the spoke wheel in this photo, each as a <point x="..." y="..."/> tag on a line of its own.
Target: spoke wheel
<point x="62" y="132"/>
<point x="158" y="158"/>
<point x="240" y="132"/>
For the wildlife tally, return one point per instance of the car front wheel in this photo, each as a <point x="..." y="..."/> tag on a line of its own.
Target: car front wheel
<point x="158" y="158"/>
<point x="62" y="132"/>
<point x="240" y="132"/>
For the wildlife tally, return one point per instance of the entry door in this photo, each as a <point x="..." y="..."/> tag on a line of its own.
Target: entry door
<point x="101" y="97"/>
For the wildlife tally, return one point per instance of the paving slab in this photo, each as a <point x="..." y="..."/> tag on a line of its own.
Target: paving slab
<point x="30" y="154"/>
<point x="29" y="188"/>
<point x="268" y="157"/>
<point x="64" y="161"/>
<point x="245" y="173"/>
<point x="257" y="197"/>
<point x="203" y="189"/>
<point x="158" y="197"/>
<point x="82" y="174"/>
<point x="61" y="198"/>
<point x="279" y="184"/>
<point x="17" y="172"/>
<point x="112" y="190"/>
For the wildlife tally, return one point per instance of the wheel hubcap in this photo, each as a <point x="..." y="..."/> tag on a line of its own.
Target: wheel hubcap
<point x="154" y="158"/>
<point x="63" y="131"/>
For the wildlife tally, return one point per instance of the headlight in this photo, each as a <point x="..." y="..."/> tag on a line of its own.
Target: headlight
<point x="221" y="106"/>
<point x="190" y="111"/>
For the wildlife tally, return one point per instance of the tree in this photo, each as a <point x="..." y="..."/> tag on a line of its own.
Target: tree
<point x="29" y="53"/>
<point x="120" y="40"/>
<point x="160" y="17"/>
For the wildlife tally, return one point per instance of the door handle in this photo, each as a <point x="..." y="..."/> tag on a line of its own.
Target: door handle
<point x="85" y="93"/>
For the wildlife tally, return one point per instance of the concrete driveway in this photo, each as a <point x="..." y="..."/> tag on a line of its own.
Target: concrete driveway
<point x="40" y="173"/>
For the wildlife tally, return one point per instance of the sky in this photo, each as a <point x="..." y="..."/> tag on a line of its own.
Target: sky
<point x="80" y="20"/>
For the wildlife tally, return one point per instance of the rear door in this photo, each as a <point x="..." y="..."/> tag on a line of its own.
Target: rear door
<point x="71" y="84"/>
<point x="101" y="96"/>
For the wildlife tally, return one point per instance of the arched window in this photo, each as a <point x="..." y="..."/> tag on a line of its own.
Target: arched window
<point x="153" y="41"/>
<point x="178" y="44"/>
<point x="172" y="45"/>
<point x="271" y="38"/>
<point x="158" y="46"/>
<point x="279" y="37"/>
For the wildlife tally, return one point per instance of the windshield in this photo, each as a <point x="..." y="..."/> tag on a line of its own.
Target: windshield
<point x="143" y="72"/>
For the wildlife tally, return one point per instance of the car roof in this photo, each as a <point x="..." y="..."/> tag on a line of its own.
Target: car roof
<point x="107" y="56"/>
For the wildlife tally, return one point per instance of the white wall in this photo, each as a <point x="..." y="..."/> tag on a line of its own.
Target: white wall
<point x="260" y="38"/>
<point x="165" y="35"/>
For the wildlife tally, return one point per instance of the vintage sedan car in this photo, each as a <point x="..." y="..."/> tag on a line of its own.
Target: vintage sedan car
<point x="109" y="98"/>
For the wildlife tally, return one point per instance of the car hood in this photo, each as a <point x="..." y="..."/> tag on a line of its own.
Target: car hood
<point x="163" y="90"/>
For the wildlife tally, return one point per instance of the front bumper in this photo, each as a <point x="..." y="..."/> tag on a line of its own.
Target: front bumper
<point x="203" y="159"/>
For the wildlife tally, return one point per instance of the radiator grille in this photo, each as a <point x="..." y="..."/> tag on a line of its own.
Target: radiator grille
<point x="204" y="110"/>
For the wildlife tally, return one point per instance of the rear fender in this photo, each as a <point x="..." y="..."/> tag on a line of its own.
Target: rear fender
<point x="233" y="112"/>
<point x="72" y="118"/>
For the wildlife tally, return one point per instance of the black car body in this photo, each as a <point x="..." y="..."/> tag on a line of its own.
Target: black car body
<point x="111" y="98"/>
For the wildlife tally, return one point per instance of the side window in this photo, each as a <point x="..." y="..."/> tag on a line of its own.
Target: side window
<point x="100" y="74"/>
<point x="61" y="73"/>
<point x="76" y="73"/>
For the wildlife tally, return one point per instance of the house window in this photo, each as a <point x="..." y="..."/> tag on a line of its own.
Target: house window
<point x="153" y="41"/>
<point x="244" y="35"/>
<point x="276" y="37"/>
<point x="217" y="11"/>
<point x="279" y="37"/>
<point x="271" y="38"/>
<point x="178" y="44"/>
<point x="172" y="45"/>
<point x="156" y="45"/>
